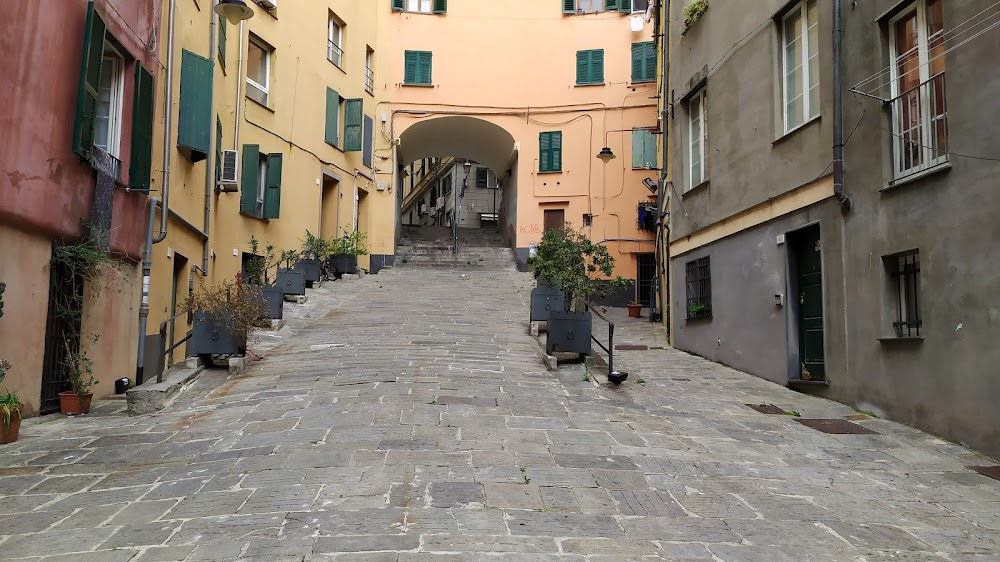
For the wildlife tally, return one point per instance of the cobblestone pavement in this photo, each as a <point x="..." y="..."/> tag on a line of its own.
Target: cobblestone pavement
<point x="407" y="417"/>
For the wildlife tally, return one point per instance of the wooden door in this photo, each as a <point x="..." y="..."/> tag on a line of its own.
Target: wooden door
<point x="554" y="218"/>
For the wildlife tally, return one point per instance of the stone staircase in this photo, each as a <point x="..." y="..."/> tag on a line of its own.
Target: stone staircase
<point x="431" y="246"/>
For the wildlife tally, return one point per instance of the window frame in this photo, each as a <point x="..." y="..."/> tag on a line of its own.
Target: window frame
<point x="268" y="53"/>
<point x="116" y="103"/>
<point x="902" y="271"/>
<point x="589" y="79"/>
<point x="805" y="82"/>
<point x="697" y="266"/>
<point x="553" y="167"/>
<point x="418" y="56"/>
<point x="648" y="51"/>
<point x="429" y="10"/>
<point x="335" y="40"/>
<point x="701" y="96"/>
<point x="369" y="70"/>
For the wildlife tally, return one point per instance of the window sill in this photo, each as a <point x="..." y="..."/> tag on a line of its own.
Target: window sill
<point x="807" y="382"/>
<point x="791" y="132"/>
<point x="260" y="104"/>
<point x="578" y="85"/>
<point x="916" y="177"/>
<point x="550" y="172"/>
<point x="698" y="318"/>
<point x="911" y="340"/>
<point x="418" y="85"/>
<point x="700" y="187"/>
<point x="258" y="217"/>
<point x="642" y="82"/>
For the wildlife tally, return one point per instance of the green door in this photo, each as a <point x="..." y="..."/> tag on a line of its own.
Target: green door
<point x="810" y="313"/>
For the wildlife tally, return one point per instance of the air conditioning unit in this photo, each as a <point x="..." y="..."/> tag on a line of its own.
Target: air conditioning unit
<point x="230" y="166"/>
<point x="268" y="4"/>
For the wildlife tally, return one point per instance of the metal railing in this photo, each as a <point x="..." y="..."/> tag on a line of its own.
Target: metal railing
<point x="334" y="53"/>
<point x="163" y="339"/>
<point x="919" y="127"/>
<point x="610" y="349"/>
<point x="369" y="80"/>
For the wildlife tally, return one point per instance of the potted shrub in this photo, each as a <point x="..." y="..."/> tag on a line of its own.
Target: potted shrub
<point x="79" y="370"/>
<point x="290" y="282"/>
<point x="634" y="309"/>
<point x="257" y="275"/>
<point x="10" y="410"/>
<point x="225" y="314"/>
<point x="568" y="259"/>
<point x="314" y="250"/>
<point x="344" y="253"/>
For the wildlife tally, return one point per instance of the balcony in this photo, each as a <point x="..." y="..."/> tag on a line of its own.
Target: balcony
<point x="334" y="53"/>
<point x="919" y="128"/>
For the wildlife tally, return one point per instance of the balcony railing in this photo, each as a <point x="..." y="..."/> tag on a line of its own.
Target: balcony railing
<point x="369" y="80"/>
<point x="920" y="128"/>
<point x="334" y="53"/>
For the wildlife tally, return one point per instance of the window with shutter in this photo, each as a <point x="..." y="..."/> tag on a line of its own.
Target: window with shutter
<point x="353" y="114"/>
<point x="218" y="149"/>
<point x="194" y="117"/>
<point x="250" y="181"/>
<point x="417" y="68"/>
<point x="272" y="193"/>
<point x="610" y="5"/>
<point x="590" y="67"/>
<point x="366" y="143"/>
<point x="332" y="117"/>
<point x="569" y="6"/>
<point x="142" y="130"/>
<point x="398" y="5"/>
<point x="550" y="151"/>
<point x="643" y="62"/>
<point x="625" y="6"/>
<point x="90" y="82"/>
<point x="440" y="6"/>
<point x="643" y="149"/>
<point x="482" y="177"/>
<point x="222" y="41"/>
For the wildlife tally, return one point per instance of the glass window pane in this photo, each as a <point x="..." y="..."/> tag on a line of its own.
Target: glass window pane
<point x="907" y="52"/>
<point x="792" y="38"/>
<point x="812" y="19"/>
<point x="935" y="36"/>
<point x="257" y="65"/>
<point x="103" y="122"/>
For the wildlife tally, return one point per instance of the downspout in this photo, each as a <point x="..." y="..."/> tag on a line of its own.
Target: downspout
<point x="239" y="92"/>
<point x="209" y="168"/>
<point x="663" y="229"/>
<point x="838" y="112"/>
<point x="147" y="266"/>
<point x="167" y="132"/>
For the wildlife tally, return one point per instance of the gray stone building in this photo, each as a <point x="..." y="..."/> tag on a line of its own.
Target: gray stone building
<point x="875" y="282"/>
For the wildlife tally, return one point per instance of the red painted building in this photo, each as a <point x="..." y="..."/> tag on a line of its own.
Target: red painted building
<point x="77" y="93"/>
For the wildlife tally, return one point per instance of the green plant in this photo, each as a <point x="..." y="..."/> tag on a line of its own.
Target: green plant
<point x="793" y="413"/>
<point x="640" y="380"/>
<point x="81" y="267"/>
<point x="10" y="406"/>
<point x="260" y="264"/>
<point x="568" y="259"/>
<point x="352" y="243"/>
<point x="694" y="309"/>
<point x="241" y="307"/>
<point x="314" y="247"/>
<point x="692" y="12"/>
<point x="289" y="257"/>
<point x="4" y="367"/>
<point x="867" y="413"/>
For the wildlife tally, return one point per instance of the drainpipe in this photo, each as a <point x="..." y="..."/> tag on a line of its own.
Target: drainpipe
<point x="209" y="168"/>
<point x="838" y="112"/>
<point x="147" y="266"/>
<point x="662" y="228"/>
<point x="239" y="92"/>
<point x="167" y="132"/>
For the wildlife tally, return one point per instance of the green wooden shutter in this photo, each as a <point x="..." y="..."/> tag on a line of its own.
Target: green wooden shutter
<point x="650" y="63"/>
<point x="250" y="179"/>
<point x="272" y="187"/>
<point x="411" y="60"/>
<point x="651" y="149"/>
<point x="222" y="40"/>
<point x="332" y="117"/>
<point x="424" y="66"/>
<point x="440" y="6"/>
<point x="569" y="6"/>
<point x="582" y="66"/>
<point x="597" y="66"/>
<point x="218" y="149"/>
<point x="139" y="169"/>
<point x="398" y="5"/>
<point x="638" y="148"/>
<point x="90" y="84"/>
<point x="556" y="151"/>
<point x="643" y="62"/>
<point x="610" y="5"/>
<point x="625" y="6"/>
<point x="353" y="111"/>
<point x="194" y="117"/>
<point x="544" y="152"/>
<point x="637" y="62"/>
<point x="482" y="177"/>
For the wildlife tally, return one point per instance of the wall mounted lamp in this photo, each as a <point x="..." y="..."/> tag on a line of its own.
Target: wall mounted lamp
<point x="234" y="10"/>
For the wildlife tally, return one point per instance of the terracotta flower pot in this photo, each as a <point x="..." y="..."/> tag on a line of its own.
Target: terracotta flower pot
<point x="9" y="434"/>
<point x="634" y="310"/>
<point x="71" y="404"/>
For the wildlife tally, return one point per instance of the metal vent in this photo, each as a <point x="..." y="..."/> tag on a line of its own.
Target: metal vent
<point x="837" y="427"/>
<point x="230" y="165"/>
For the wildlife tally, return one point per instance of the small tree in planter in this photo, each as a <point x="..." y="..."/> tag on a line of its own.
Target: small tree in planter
<point x="345" y="251"/>
<point x="10" y="410"/>
<point x="257" y="273"/>
<point x="568" y="259"/>
<point x="314" y="250"/>
<point x="225" y="315"/>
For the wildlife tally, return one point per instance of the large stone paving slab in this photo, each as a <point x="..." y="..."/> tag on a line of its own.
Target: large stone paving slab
<point x="407" y="417"/>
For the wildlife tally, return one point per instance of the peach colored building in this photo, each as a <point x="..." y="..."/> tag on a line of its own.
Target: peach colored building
<point x="533" y="91"/>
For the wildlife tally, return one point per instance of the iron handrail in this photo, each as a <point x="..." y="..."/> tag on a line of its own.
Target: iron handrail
<point x="163" y="337"/>
<point x="610" y="350"/>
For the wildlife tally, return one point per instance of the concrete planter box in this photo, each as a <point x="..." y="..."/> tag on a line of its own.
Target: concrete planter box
<point x="569" y="332"/>
<point x="544" y="301"/>
<point x="213" y="337"/>
<point x="274" y="302"/>
<point x="342" y="264"/>
<point x="310" y="268"/>
<point x="291" y="282"/>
